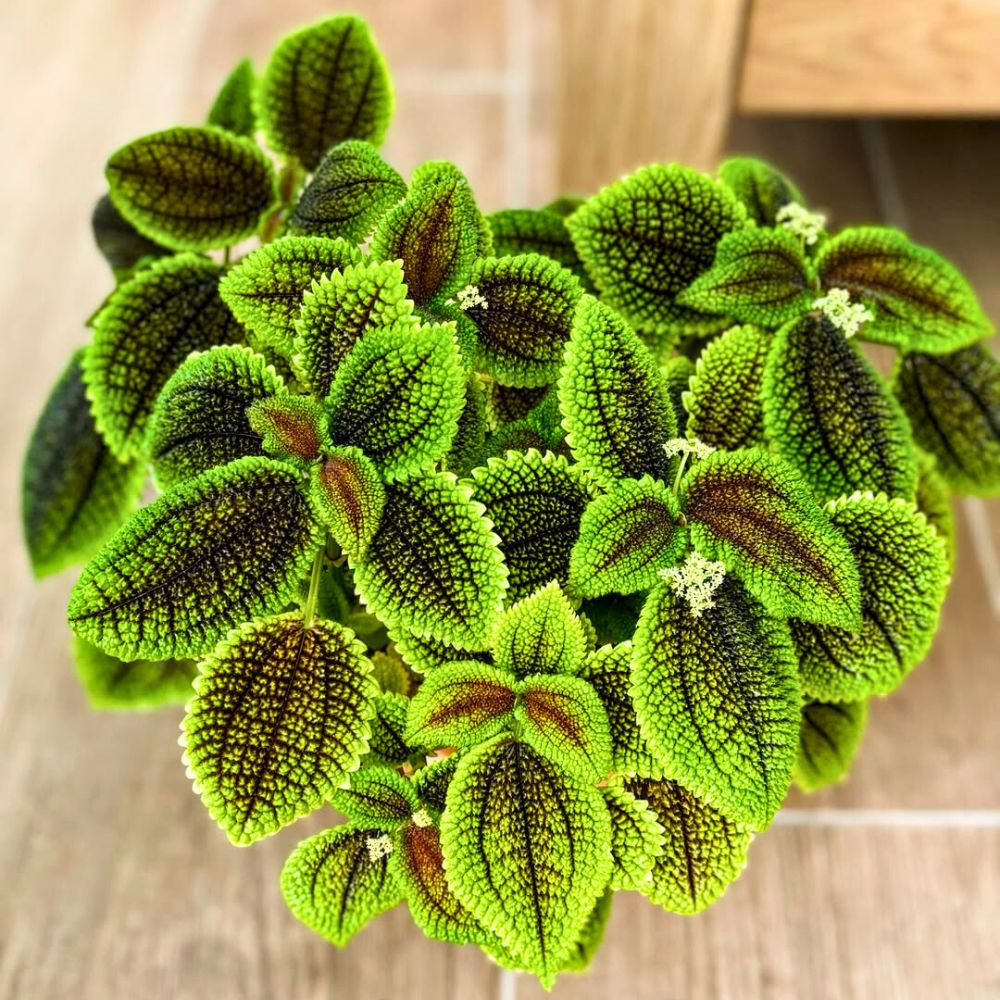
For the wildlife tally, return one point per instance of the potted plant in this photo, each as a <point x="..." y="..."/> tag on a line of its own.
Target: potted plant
<point x="549" y="547"/>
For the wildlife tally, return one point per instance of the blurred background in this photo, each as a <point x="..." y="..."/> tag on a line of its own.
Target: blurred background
<point x="114" y="881"/>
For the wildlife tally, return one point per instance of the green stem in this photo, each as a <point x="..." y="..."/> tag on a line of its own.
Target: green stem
<point x="309" y="608"/>
<point x="680" y="471"/>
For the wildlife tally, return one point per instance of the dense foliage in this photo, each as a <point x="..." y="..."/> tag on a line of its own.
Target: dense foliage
<point x="548" y="547"/>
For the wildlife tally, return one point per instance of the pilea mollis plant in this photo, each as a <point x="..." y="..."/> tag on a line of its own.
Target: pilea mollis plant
<point x="547" y="547"/>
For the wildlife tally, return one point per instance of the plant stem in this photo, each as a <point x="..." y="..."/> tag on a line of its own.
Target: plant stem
<point x="309" y="608"/>
<point x="680" y="471"/>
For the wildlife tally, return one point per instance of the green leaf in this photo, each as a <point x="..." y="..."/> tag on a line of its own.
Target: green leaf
<point x="149" y="326"/>
<point x="470" y="437"/>
<point x="192" y="188"/>
<point x="324" y="84"/>
<point x="232" y="108"/>
<point x="626" y="537"/>
<point x="704" y="852"/>
<point x="265" y="290"/>
<point x="352" y="188"/>
<point x="724" y="399"/>
<point x="614" y="399"/>
<point x="340" y="309"/>
<point x="280" y="715"/>
<point x="535" y="502"/>
<point x="830" y="736"/>
<point x="530" y="230"/>
<point x="224" y="547"/>
<point x="759" y="276"/>
<point x="761" y="188"/>
<point x="904" y="577"/>
<point x="677" y="373"/>
<point x="398" y="396"/>
<point x="827" y="411"/>
<point x="564" y="720"/>
<point x="132" y="686"/>
<point x="920" y="301"/>
<point x="752" y="511"/>
<point x="461" y="705"/>
<point x="387" y="742"/>
<point x="74" y="492"/>
<point x="648" y="236"/>
<point x="613" y="616"/>
<point x="527" y="850"/>
<point x="423" y="653"/>
<point x="541" y="634"/>
<point x="291" y="427"/>
<point x="933" y="500"/>
<point x="507" y="403"/>
<point x="431" y="782"/>
<point x="953" y="403"/>
<point x="586" y="945"/>
<point x="335" y="882"/>
<point x="120" y="243"/>
<point x="391" y="673"/>
<point x="377" y="796"/>
<point x="348" y="495"/>
<point x="637" y="839"/>
<point x="522" y="310"/>
<point x="437" y="232"/>
<point x="717" y="697"/>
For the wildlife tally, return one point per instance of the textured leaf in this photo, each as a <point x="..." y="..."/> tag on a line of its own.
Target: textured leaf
<point x="626" y="537"/>
<point x="291" y="427"/>
<point x="762" y="189"/>
<point x="933" y="500"/>
<point x="506" y="403"/>
<point x="431" y="782"/>
<point x="637" y="838"/>
<point x="827" y="411"/>
<point x="953" y="403"/>
<point x="150" y="325"/>
<point x="904" y="578"/>
<point x="377" y="796"/>
<point x="535" y="503"/>
<point x="387" y="742"/>
<point x="523" y="315"/>
<point x="717" y="698"/>
<point x="232" y="108"/>
<point x="830" y="736"/>
<point x="280" y="715"/>
<point x="677" y="373"/>
<point x="352" y="188"/>
<point x="648" y="236"/>
<point x="530" y="230"/>
<point x="614" y="399"/>
<point x="527" y="850"/>
<point x="349" y="497"/>
<point x="541" y="634"/>
<point x="192" y="188"/>
<point x="74" y="492"/>
<point x="398" y="396"/>
<point x="334" y="883"/>
<point x="759" y="276"/>
<point x="564" y="720"/>
<point x="120" y="243"/>
<point x="340" y="309"/>
<point x="423" y="653"/>
<point x="703" y="850"/>
<point x="920" y="301"/>
<point x="212" y="553"/>
<point x="324" y="84"/>
<point x="752" y="511"/>
<point x="135" y="685"/>
<point x="586" y="945"/>
<point x="265" y="290"/>
<point x="613" y="616"/>
<point x="724" y="397"/>
<point x="391" y="673"/>
<point x="471" y="433"/>
<point x="437" y="232"/>
<point x="461" y="704"/>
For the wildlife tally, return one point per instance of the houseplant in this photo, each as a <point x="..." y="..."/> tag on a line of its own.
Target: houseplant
<point x="547" y="546"/>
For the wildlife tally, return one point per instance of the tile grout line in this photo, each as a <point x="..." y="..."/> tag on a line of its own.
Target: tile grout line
<point x="947" y="819"/>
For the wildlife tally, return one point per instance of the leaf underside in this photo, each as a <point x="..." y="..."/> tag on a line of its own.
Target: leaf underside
<point x="830" y="736"/>
<point x="132" y="685"/>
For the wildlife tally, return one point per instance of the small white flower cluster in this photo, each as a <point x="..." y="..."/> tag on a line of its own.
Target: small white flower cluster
<point x="799" y="220"/>
<point x="468" y="297"/>
<point x="421" y="818"/>
<point x="379" y="847"/>
<point x="845" y="315"/>
<point x="696" y="581"/>
<point x="685" y="446"/>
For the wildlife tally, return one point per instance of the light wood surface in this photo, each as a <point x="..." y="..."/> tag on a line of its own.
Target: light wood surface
<point x="115" y="882"/>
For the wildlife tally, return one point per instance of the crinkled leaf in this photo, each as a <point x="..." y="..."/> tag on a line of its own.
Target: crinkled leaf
<point x="933" y="500"/>
<point x="613" y="616"/>
<point x="349" y="497"/>
<point x="760" y="276"/>
<point x="324" y="84"/>
<point x="677" y="373"/>
<point x="704" y="852"/>
<point x="290" y="426"/>
<point x="120" y="243"/>
<point x="648" y="236"/>
<point x="717" y="697"/>
<point x="830" y="736"/>
<point x="953" y="403"/>
<point x="507" y="403"/>
<point x="377" y="796"/>
<point x="921" y="302"/>
<point x="754" y="513"/>
<point x="531" y="230"/>
<point x="904" y="578"/>
<point x="828" y="412"/>
<point x="134" y="685"/>
<point x="150" y="325"/>
<point x="471" y="433"/>
<point x="423" y="653"/>
<point x="232" y="108"/>
<point x="391" y="673"/>
<point x="334" y="883"/>
<point x="387" y="742"/>
<point x="192" y="188"/>
<point x="614" y="399"/>
<point x="74" y="492"/>
<point x="586" y="945"/>
<point x="352" y="188"/>
<point x="280" y="715"/>
<point x="527" y="850"/>
<point x="265" y="290"/>
<point x="637" y="839"/>
<point x="626" y="536"/>
<point x="431" y="782"/>
<point x="762" y="189"/>
<point x="219" y="549"/>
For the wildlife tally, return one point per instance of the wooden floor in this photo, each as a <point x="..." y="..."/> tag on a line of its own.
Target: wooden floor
<point x="115" y="884"/>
